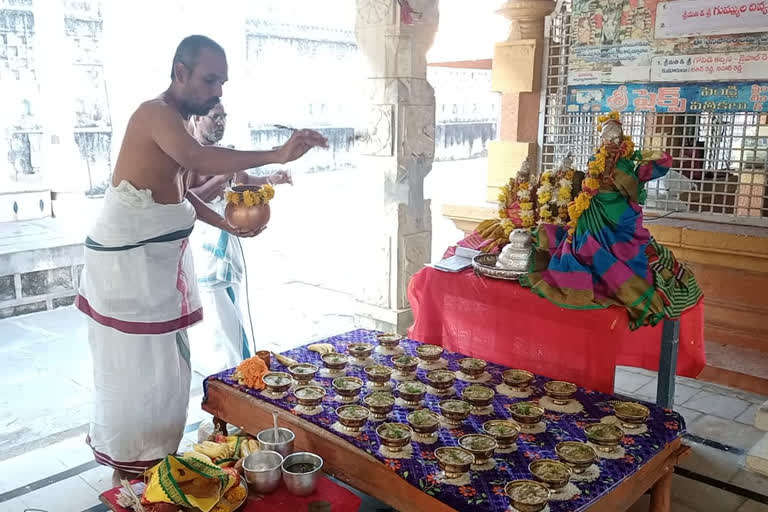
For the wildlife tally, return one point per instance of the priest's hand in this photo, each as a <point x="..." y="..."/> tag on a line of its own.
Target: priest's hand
<point x="300" y="142"/>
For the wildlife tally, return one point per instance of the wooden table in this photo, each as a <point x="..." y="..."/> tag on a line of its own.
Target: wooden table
<point x="363" y="472"/>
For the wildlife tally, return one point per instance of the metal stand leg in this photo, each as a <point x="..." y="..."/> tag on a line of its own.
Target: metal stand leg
<point x="670" y="340"/>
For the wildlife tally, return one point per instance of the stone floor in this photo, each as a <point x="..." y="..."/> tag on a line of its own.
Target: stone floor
<point x="43" y="458"/>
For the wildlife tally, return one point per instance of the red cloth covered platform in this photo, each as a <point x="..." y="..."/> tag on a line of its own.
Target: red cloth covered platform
<point x="502" y="322"/>
<point x="340" y="499"/>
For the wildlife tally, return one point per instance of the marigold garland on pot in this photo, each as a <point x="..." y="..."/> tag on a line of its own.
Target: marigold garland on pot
<point x="263" y="195"/>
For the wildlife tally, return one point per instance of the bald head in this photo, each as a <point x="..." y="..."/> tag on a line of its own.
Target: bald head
<point x="189" y="50"/>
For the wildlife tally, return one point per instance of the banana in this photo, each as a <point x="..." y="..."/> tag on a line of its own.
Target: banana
<point x="322" y="348"/>
<point x="199" y="456"/>
<point x="213" y="450"/>
<point x="285" y="361"/>
<point x="253" y="445"/>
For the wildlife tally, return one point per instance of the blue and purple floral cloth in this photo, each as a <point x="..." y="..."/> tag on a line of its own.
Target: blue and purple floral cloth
<point x="486" y="491"/>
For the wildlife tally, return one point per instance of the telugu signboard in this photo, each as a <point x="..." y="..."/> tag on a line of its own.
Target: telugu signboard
<point x="670" y="98"/>
<point x="712" y="66"/>
<point x="687" y="18"/>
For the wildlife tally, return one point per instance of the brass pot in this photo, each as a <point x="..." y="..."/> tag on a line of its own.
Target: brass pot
<point x="525" y="506"/>
<point x="553" y="482"/>
<point x="389" y="340"/>
<point x="346" y="391"/>
<point x="452" y="416"/>
<point x="478" y="402"/>
<point x="421" y="428"/>
<point x="631" y="415"/>
<point x="441" y="379"/>
<point x="303" y="373"/>
<point x="277" y="388"/>
<point x="378" y="374"/>
<point x="472" y="367"/>
<point x="580" y="461"/>
<point x="482" y="455"/>
<point x="360" y="351"/>
<point x="454" y="461"/>
<point x="527" y="419"/>
<point x="559" y="391"/>
<point x="405" y="364"/>
<point x="508" y="438"/>
<point x="412" y="396"/>
<point x="379" y="410"/>
<point x="350" y="423"/>
<point x="317" y="392"/>
<point x="251" y="218"/>
<point x="335" y="361"/>
<point x="395" y="444"/>
<point x="605" y="437"/>
<point x="517" y="379"/>
<point x="429" y="353"/>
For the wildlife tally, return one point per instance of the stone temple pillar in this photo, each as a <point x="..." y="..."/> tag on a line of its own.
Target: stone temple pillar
<point x="398" y="148"/>
<point x="517" y="76"/>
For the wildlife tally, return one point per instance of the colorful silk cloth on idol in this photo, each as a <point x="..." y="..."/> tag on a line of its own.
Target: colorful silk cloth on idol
<point x="220" y="341"/>
<point x="613" y="260"/>
<point x="139" y="292"/>
<point x="188" y="482"/>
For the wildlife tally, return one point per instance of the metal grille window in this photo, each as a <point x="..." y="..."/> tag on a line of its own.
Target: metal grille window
<point x="720" y="159"/>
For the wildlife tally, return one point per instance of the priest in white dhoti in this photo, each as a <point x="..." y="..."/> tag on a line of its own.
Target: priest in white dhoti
<point x="221" y="340"/>
<point x="138" y="287"/>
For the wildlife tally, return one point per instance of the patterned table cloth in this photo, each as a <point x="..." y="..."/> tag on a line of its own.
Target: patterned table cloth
<point x="486" y="490"/>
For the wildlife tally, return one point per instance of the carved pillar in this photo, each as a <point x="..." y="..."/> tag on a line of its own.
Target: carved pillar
<point x="398" y="152"/>
<point x="517" y="75"/>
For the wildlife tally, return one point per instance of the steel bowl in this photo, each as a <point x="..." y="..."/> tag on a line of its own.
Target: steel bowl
<point x="447" y="461"/>
<point x="526" y="505"/>
<point x="429" y="353"/>
<point x="283" y="445"/>
<point x="560" y="391"/>
<point x="508" y="437"/>
<point x="579" y="462"/>
<point x="335" y="361"/>
<point x="605" y="437"/>
<point x="412" y="392"/>
<point x="277" y="388"/>
<point x="303" y="373"/>
<point x="395" y="444"/>
<point x="631" y="414"/>
<point x="405" y="364"/>
<point x="472" y="367"/>
<point x="454" y="417"/>
<point x="482" y="455"/>
<point x="421" y="428"/>
<point x="378" y="374"/>
<point x="478" y="402"/>
<point x="302" y="399"/>
<point x="345" y="392"/>
<point x="302" y="483"/>
<point x="389" y="340"/>
<point x="527" y="419"/>
<point x="350" y="423"/>
<point x="441" y="380"/>
<point x="518" y="379"/>
<point x="360" y="351"/>
<point x="380" y="412"/>
<point x="553" y="482"/>
<point x="262" y="471"/>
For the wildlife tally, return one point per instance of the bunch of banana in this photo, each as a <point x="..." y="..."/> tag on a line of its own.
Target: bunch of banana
<point x="248" y="446"/>
<point x="285" y="361"/>
<point x="199" y="456"/>
<point x="213" y="450"/>
<point x="322" y="348"/>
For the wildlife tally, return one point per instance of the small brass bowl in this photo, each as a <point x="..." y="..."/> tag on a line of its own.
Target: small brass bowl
<point x="352" y="417"/>
<point x="303" y="373"/>
<point x="335" y="361"/>
<point x="394" y="436"/>
<point x="360" y="351"/>
<point x="429" y="353"/>
<point x="605" y="437"/>
<point x="472" y="367"/>
<point x="503" y="431"/>
<point x="454" y="461"/>
<point x="478" y="395"/>
<point x="277" y="382"/>
<point x="424" y="421"/>
<point x="412" y="392"/>
<point x="527" y="495"/>
<point x="559" y="391"/>
<point x="389" y="340"/>
<point x="309" y="396"/>
<point x="527" y="414"/>
<point x="553" y="473"/>
<point x="380" y="404"/>
<point x="405" y="364"/>
<point x="378" y="374"/>
<point x="441" y="379"/>
<point x="518" y="379"/>
<point x="480" y="446"/>
<point x="631" y="415"/>
<point x="579" y="456"/>
<point x="455" y="411"/>
<point x="347" y="387"/>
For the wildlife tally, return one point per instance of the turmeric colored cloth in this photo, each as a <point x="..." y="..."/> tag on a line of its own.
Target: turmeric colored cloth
<point x="612" y="258"/>
<point x="188" y="482"/>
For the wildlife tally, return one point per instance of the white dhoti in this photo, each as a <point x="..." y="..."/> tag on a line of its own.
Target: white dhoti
<point x="220" y="341"/>
<point x="139" y="291"/>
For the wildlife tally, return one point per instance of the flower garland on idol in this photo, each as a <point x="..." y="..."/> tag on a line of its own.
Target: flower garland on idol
<point x="544" y="196"/>
<point x="526" y="204"/>
<point x="596" y="170"/>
